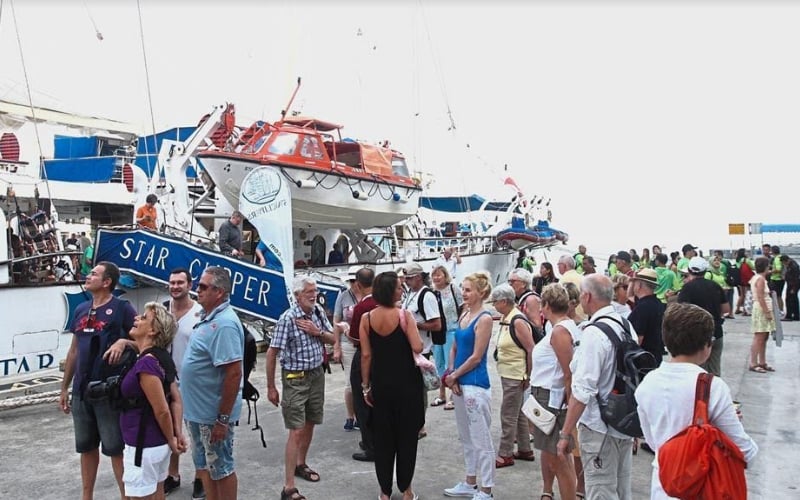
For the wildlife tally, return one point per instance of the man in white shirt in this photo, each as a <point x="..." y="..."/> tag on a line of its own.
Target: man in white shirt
<point x="606" y="453"/>
<point x="428" y="319"/>
<point x="186" y="312"/>
<point x="449" y="260"/>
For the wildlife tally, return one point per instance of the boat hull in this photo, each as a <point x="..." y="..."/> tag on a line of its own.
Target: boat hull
<point x="326" y="200"/>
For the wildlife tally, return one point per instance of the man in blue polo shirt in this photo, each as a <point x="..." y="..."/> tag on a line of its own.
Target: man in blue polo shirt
<point x="211" y="385"/>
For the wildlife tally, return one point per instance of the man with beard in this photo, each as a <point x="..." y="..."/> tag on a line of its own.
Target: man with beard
<point x="187" y="313"/>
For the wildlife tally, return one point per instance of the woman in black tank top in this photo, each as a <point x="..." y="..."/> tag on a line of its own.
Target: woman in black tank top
<point x="392" y="385"/>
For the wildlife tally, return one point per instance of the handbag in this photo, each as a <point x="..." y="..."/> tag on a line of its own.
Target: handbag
<point x="541" y="417"/>
<point x="430" y="378"/>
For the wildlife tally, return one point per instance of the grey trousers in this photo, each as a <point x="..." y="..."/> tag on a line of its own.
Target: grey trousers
<point x="513" y="423"/>
<point x="606" y="465"/>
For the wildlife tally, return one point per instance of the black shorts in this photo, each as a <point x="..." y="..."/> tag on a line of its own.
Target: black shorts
<point x="776" y="286"/>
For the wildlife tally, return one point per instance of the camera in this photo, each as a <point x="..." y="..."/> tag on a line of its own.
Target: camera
<point x="104" y="390"/>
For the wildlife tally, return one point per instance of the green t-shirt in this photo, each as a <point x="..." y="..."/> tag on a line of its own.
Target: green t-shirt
<point x="579" y="262"/>
<point x="86" y="262"/>
<point x="777" y="267"/>
<point x="666" y="282"/>
<point x="717" y="277"/>
<point x="683" y="264"/>
<point x="612" y="269"/>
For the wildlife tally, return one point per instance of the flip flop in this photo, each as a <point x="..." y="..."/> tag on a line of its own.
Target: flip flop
<point x="449" y="406"/>
<point x="306" y="473"/>
<point x="758" y="369"/>
<point x="438" y="402"/>
<point x="768" y="368"/>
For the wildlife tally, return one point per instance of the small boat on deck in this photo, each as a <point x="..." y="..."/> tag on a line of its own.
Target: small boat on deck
<point x="521" y="237"/>
<point x="335" y="182"/>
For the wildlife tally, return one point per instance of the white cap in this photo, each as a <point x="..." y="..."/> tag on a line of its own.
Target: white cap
<point x="697" y="265"/>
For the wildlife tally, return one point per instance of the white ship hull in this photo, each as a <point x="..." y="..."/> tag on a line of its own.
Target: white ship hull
<point x="324" y="201"/>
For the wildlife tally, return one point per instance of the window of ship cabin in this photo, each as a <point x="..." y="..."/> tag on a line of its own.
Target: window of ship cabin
<point x="399" y="167"/>
<point x="311" y="148"/>
<point x="259" y="143"/>
<point x="284" y="144"/>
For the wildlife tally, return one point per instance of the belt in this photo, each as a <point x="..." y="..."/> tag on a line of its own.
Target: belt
<point x="302" y="371"/>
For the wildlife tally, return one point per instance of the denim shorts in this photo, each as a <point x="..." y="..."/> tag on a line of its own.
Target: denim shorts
<point x="96" y="424"/>
<point x="217" y="458"/>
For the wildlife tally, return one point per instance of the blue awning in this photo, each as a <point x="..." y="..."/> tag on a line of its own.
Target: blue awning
<point x="780" y="228"/>
<point x="461" y="204"/>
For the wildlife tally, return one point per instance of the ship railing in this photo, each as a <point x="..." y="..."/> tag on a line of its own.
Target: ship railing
<point x="46" y="267"/>
<point x="421" y="248"/>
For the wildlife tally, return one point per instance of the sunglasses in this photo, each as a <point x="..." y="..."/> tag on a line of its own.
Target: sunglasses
<point x="202" y="287"/>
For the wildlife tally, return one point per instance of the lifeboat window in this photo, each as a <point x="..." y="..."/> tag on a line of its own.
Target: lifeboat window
<point x="284" y="144"/>
<point x="399" y="167"/>
<point x="311" y="148"/>
<point x="260" y="143"/>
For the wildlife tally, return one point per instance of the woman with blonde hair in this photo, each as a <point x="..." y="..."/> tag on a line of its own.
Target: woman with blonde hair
<point x="452" y="301"/>
<point x="620" y="299"/>
<point x="469" y="382"/>
<point x="762" y="320"/>
<point x="551" y="381"/>
<point x="151" y="421"/>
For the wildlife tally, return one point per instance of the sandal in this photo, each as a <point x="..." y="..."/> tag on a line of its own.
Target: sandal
<point x="768" y="368"/>
<point x="291" y="494"/>
<point x="580" y="495"/>
<point x="501" y="462"/>
<point x="438" y="402"/>
<point x="421" y="435"/>
<point x="306" y="473"/>
<point x="758" y="369"/>
<point x="527" y="456"/>
<point x="548" y="495"/>
<point x="449" y="406"/>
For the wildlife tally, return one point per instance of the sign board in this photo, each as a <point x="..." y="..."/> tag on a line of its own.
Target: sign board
<point x="735" y="228"/>
<point x="755" y="228"/>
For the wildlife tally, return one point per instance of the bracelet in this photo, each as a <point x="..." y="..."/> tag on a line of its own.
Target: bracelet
<point x="561" y="436"/>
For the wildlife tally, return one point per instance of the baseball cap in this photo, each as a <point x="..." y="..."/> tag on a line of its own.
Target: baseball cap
<point x="623" y="255"/>
<point x="688" y="247"/>
<point x="412" y="269"/>
<point x="647" y="275"/>
<point x="697" y="265"/>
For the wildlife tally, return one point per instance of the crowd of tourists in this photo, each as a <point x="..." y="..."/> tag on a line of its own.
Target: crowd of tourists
<point x="556" y="351"/>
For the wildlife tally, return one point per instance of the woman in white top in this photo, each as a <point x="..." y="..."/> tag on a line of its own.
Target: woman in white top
<point x="451" y="304"/>
<point x="551" y="379"/>
<point x="666" y="396"/>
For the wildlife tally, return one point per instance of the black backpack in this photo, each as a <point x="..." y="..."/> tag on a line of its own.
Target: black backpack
<point x="618" y="409"/>
<point x="249" y="391"/>
<point x="438" y="337"/>
<point x="733" y="276"/>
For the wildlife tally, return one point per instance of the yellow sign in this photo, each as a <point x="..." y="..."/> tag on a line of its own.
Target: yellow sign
<point x="735" y="228"/>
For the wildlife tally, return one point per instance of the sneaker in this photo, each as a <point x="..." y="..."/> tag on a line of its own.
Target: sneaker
<point x="480" y="495"/>
<point x="349" y="424"/>
<point x="198" y="493"/>
<point x="462" y="490"/>
<point x="356" y="427"/>
<point x="170" y="483"/>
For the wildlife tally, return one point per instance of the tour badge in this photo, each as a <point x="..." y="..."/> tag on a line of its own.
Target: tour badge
<point x="109" y="311"/>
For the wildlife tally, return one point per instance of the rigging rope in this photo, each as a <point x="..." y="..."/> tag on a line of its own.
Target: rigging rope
<point x="147" y="85"/>
<point x="42" y="167"/>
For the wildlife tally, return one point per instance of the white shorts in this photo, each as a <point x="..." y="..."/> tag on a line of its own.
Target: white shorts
<point x="143" y="481"/>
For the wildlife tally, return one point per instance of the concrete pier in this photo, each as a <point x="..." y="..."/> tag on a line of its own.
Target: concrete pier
<point x="39" y="460"/>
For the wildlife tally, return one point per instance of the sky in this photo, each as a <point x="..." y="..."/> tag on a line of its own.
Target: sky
<point x="644" y="122"/>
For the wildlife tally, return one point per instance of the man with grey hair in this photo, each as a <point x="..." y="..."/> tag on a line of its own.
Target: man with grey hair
<point x="211" y="384"/>
<point x="527" y="300"/>
<point x="606" y="453"/>
<point x="300" y="337"/>
<point x="230" y="235"/>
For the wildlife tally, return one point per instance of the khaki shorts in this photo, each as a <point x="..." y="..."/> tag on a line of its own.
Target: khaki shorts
<point x="542" y="441"/>
<point x="303" y="397"/>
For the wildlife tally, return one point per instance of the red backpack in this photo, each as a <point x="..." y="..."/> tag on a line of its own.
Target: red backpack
<point x="701" y="462"/>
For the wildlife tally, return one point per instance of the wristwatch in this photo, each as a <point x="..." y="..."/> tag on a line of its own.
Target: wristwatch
<point x="223" y="418"/>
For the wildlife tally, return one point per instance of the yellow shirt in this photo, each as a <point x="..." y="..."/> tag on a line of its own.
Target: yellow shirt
<point x="511" y="360"/>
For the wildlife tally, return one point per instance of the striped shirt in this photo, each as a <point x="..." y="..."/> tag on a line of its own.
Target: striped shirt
<point x="299" y="350"/>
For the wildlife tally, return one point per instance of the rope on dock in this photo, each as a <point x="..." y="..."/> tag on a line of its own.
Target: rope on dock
<point x="30" y="399"/>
